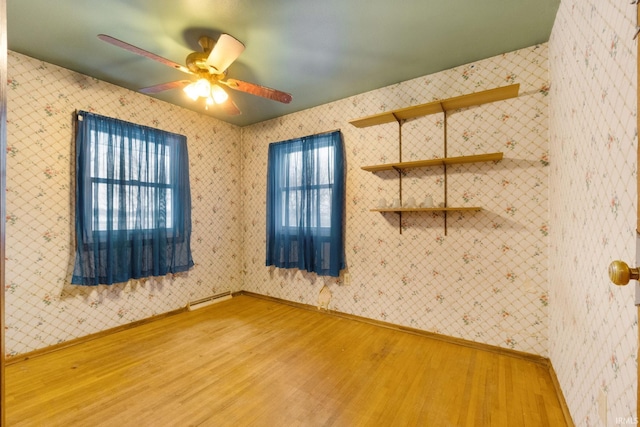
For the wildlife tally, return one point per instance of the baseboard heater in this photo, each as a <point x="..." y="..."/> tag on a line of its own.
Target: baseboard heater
<point x="203" y="302"/>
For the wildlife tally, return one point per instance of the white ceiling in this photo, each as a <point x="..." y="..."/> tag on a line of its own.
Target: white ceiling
<point x="317" y="50"/>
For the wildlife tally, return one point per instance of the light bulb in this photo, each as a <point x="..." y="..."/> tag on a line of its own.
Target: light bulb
<point x="192" y="91"/>
<point x="203" y="87"/>
<point x="208" y="102"/>
<point x="219" y="94"/>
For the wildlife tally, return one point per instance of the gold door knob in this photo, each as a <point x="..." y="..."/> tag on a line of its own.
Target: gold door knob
<point x="620" y="273"/>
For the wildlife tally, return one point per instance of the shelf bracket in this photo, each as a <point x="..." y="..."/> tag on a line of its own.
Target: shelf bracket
<point x="400" y="123"/>
<point x="446" y="191"/>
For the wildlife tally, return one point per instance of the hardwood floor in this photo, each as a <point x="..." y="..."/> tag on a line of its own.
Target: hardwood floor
<point x="253" y="362"/>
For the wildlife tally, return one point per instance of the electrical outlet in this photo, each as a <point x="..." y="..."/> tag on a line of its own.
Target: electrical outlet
<point x="346" y="279"/>
<point x="602" y="407"/>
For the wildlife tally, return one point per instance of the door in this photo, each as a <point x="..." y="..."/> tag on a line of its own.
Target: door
<point x="619" y="272"/>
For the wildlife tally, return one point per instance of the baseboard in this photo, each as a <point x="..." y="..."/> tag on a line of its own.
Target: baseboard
<point x="207" y="301"/>
<point x="563" y="402"/>
<point x="87" y="338"/>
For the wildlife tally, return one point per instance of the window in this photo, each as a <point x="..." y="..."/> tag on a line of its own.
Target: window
<point x="142" y="183"/>
<point x="305" y="204"/>
<point x="133" y="202"/>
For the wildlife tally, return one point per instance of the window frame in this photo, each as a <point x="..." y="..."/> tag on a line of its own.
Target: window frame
<point x="129" y="183"/>
<point x="293" y="229"/>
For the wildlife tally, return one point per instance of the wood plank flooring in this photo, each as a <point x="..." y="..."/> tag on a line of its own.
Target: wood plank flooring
<point x="253" y="362"/>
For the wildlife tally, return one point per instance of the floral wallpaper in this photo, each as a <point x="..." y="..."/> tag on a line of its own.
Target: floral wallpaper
<point x="486" y="279"/>
<point x="42" y="307"/>
<point x="593" y="150"/>
<point x="527" y="272"/>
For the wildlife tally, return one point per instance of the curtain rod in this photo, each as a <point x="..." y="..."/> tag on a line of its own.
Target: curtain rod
<point x="306" y="136"/>
<point x="329" y="131"/>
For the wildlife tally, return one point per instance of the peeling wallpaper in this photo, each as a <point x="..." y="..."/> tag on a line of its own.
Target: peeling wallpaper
<point x="593" y="144"/>
<point x="42" y="307"/>
<point x="486" y="280"/>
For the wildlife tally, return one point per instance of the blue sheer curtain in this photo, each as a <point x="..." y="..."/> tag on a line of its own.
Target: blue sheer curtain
<point x="133" y="202"/>
<point x="305" y="204"/>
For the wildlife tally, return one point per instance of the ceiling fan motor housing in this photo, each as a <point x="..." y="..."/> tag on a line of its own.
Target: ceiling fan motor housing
<point x="207" y="44"/>
<point x="197" y="62"/>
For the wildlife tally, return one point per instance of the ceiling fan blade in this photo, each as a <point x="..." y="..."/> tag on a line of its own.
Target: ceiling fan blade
<point x="142" y="52"/>
<point x="226" y="50"/>
<point x="258" y="90"/>
<point x="165" y="86"/>
<point x="230" y="108"/>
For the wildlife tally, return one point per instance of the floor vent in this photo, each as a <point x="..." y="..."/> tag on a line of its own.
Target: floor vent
<point x="193" y="305"/>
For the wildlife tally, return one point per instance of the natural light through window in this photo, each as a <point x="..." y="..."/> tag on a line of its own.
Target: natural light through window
<point x="140" y="186"/>
<point x="316" y="190"/>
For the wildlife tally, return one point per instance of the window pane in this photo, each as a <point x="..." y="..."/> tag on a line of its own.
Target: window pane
<point x="319" y="199"/>
<point x="99" y="206"/>
<point x="138" y="178"/>
<point x="325" y="207"/>
<point x="295" y="169"/>
<point x="323" y="166"/>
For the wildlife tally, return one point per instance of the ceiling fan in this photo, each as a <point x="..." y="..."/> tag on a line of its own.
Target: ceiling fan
<point x="210" y="68"/>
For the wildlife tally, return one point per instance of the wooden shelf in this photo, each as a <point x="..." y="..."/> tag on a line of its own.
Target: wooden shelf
<point x="449" y="209"/>
<point x="435" y="162"/>
<point x="464" y="101"/>
<point x="440" y="106"/>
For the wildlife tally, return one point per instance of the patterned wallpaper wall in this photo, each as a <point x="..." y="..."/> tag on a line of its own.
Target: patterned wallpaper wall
<point x="42" y="307"/>
<point x="528" y="272"/>
<point x="486" y="280"/>
<point x="593" y="143"/>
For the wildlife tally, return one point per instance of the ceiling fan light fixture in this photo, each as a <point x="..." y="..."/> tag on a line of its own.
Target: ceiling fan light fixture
<point x="219" y="94"/>
<point x="199" y="89"/>
<point x="192" y="91"/>
<point x="203" y="88"/>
